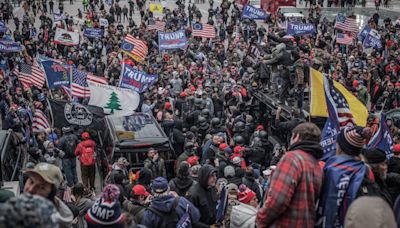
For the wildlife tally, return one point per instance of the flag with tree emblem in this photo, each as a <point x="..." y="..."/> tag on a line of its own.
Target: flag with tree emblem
<point x="114" y="100"/>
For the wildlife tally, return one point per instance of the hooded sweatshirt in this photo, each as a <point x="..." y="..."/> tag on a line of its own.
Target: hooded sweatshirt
<point x="243" y="216"/>
<point x="204" y="197"/>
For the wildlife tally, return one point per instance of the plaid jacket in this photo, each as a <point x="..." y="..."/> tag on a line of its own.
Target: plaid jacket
<point x="294" y="190"/>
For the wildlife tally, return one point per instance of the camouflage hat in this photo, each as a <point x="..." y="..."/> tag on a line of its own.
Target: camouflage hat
<point x="28" y="211"/>
<point x="50" y="173"/>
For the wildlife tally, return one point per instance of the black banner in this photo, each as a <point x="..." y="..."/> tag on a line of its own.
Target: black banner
<point x="74" y="114"/>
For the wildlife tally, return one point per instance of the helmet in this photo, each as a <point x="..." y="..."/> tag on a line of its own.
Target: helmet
<point x="239" y="126"/>
<point x="239" y="140"/>
<point x="263" y="135"/>
<point x="205" y="112"/>
<point x="215" y="122"/>
<point x="66" y="129"/>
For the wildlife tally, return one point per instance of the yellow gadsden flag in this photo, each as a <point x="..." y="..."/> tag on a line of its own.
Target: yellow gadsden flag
<point x="155" y="8"/>
<point x="318" y="101"/>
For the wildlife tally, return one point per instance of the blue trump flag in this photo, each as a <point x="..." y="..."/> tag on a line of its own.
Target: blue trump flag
<point x="135" y="79"/>
<point x="339" y="116"/>
<point x="93" y="32"/>
<point x="10" y="46"/>
<point x="57" y="74"/>
<point x="373" y="40"/>
<point x="172" y="40"/>
<point x="222" y="204"/>
<point x="382" y="139"/>
<point x="364" y="32"/>
<point x="3" y="27"/>
<point x="298" y="29"/>
<point x="252" y="12"/>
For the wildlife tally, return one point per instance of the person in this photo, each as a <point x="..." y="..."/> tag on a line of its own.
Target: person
<point x="68" y="143"/>
<point x="182" y="182"/>
<point x="167" y="209"/>
<point x="338" y="169"/>
<point x="250" y="181"/>
<point x="296" y="181"/>
<point x="394" y="162"/>
<point x="232" y="190"/>
<point x="203" y="195"/>
<point x="154" y="163"/>
<point x="86" y="151"/>
<point x="370" y="211"/>
<point x="244" y="214"/>
<point x="82" y="202"/>
<point x="106" y="210"/>
<point x="376" y="159"/>
<point x="137" y="203"/>
<point x="119" y="169"/>
<point x="28" y="210"/>
<point x="44" y="180"/>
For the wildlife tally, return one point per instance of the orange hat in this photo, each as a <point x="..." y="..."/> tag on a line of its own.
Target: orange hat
<point x="396" y="149"/>
<point x="238" y="149"/>
<point x="85" y="135"/>
<point x="193" y="160"/>
<point x="167" y="105"/>
<point x="222" y="146"/>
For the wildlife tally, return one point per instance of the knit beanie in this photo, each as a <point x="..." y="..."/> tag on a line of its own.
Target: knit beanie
<point x="106" y="211"/>
<point x="352" y="139"/>
<point x="184" y="169"/>
<point x="159" y="185"/>
<point x="374" y="156"/>
<point x="245" y="194"/>
<point x="229" y="171"/>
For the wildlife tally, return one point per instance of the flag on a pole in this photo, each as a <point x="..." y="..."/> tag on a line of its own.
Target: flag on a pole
<point x="156" y="8"/>
<point x="114" y="100"/>
<point x="156" y="25"/>
<point x="79" y="86"/>
<point x="346" y="24"/>
<point x="30" y="75"/>
<point x="318" y="105"/>
<point x="135" y="48"/>
<point x="40" y="121"/>
<point x="382" y="139"/>
<point x="342" y="38"/>
<point x="339" y="117"/>
<point x="203" y="30"/>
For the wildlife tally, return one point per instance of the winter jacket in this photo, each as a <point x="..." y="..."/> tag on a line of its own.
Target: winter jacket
<point x="157" y="167"/>
<point x="204" y="197"/>
<point x="251" y="183"/>
<point x="64" y="216"/>
<point x="243" y="216"/>
<point x="181" y="185"/>
<point x="134" y="208"/>
<point x="83" y="205"/>
<point x="164" y="204"/>
<point x="82" y="146"/>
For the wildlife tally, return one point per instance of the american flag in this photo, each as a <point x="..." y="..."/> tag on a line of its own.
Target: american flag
<point x="79" y="86"/>
<point x="135" y="48"/>
<point x="346" y="24"/>
<point x="339" y="116"/>
<point x="203" y="30"/>
<point x="29" y="75"/>
<point x="345" y="39"/>
<point x="156" y="25"/>
<point x="40" y="121"/>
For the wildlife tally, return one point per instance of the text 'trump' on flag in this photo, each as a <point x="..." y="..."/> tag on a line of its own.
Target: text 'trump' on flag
<point x="135" y="48"/>
<point x="318" y="105"/>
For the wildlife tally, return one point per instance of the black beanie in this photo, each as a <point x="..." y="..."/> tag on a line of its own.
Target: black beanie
<point x="374" y="155"/>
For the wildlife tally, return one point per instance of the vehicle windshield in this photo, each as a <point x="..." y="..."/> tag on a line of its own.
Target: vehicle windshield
<point x="136" y="126"/>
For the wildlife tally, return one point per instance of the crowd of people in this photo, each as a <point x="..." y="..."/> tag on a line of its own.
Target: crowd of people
<point x="228" y="173"/>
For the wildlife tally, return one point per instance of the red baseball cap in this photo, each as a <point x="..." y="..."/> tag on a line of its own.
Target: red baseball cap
<point x="396" y="148"/>
<point x="193" y="160"/>
<point x="238" y="149"/>
<point x="139" y="190"/>
<point x="260" y="127"/>
<point x="183" y="94"/>
<point x="167" y="105"/>
<point x="222" y="146"/>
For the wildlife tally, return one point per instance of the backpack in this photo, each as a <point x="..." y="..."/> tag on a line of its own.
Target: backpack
<point x="167" y="220"/>
<point x="87" y="156"/>
<point x="69" y="145"/>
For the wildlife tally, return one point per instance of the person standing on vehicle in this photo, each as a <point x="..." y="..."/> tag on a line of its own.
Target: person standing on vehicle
<point x="167" y="209"/>
<point x="68" y="143"/>
<point x="86" y="151"/>
<point x="155" y="164"/>
<point x="203" y="195"/>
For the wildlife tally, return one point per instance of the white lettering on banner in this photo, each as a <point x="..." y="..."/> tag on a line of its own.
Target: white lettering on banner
<point x="172" y="36"/>
<point x="255" y="11"/>
<point x="302" y="27"/>
<point x="342" y="186"/>
<point x="140" y="77"/>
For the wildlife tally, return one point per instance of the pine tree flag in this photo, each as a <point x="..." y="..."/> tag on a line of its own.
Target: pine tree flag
<point x="114" y="100"/>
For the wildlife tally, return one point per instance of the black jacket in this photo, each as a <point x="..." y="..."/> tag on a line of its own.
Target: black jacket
<point x="204" y="197"/>
<point x="181" y="185"/>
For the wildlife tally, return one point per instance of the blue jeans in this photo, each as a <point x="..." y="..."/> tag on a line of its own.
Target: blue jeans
<point x="69" y="167"/>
